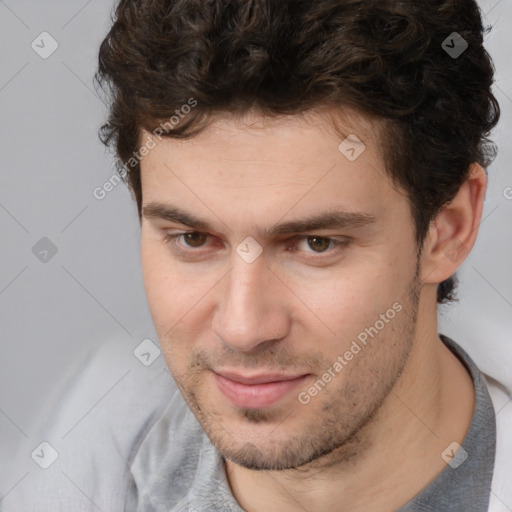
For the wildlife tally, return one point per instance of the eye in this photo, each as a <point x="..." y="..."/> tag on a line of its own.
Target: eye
<point x="320" y="249"/>
<point x="193" y="241"/>
<point x="319" y="244"/>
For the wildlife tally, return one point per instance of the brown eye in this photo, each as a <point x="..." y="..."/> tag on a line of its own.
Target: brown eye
<point x="195" y="239"/>
<point x="315" y="247"/>
<point x="192" y="240"/>
<point x="318" y="244"/>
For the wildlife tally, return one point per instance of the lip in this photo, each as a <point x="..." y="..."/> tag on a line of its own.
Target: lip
<point x="262" y="378"/>
<point x="256" y="391"/>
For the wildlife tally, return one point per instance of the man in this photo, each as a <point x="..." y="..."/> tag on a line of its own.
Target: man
<point x="309" y="177"/>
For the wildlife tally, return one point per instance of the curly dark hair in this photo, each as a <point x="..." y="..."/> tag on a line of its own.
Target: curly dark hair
<point x="384" y="58"/>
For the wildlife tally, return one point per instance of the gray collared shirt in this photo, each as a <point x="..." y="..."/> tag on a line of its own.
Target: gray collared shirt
<point x="177" y="469"/>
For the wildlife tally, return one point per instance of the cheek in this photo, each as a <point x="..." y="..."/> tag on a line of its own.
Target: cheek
<point x="341" y="304"/>
<point x="174" y="293"/>
<point x="166" y="297"/>
<point x="153" y="273"/>
<point x="161" y="283"/>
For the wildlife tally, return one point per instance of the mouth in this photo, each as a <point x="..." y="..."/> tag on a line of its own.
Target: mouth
<point x="257" y="391"/>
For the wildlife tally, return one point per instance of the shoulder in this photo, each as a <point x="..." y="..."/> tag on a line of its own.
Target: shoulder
<point x="173" y="459"/>
<point x="501" y="495"/>
<point x="78" y="453"/>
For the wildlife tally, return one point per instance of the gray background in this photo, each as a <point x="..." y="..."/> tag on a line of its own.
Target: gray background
<point x="91" y="290"/>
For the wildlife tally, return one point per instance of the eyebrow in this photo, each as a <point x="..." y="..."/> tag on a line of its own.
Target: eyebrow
<point x="331" y="219"/>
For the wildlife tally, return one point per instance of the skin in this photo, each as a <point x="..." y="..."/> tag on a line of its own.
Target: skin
<point x="372" y="438"/>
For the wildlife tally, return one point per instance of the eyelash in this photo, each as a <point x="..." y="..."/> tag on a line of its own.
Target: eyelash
<point x="171" y="239"/>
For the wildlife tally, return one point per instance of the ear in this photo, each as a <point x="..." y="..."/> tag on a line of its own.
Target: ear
<point x="453" y="232"/>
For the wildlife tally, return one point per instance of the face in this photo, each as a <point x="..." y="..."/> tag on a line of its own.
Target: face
<point x="284" y="336"/>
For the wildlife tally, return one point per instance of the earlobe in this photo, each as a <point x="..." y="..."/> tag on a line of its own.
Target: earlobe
<point x="453" y="232"/>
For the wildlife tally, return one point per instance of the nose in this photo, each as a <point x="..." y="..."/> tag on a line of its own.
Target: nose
<point x="251" y="312"/>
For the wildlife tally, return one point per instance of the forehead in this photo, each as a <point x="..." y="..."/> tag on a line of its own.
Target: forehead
<point x="242" y="132"/>
<point x="294" y="142"/>
<point x="311" y="163"/>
